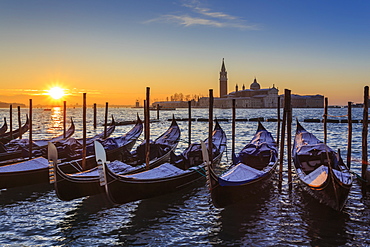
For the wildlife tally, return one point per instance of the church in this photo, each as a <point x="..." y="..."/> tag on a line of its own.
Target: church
<point x="252" y="97"/>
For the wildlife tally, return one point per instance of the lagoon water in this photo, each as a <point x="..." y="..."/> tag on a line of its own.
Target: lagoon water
<point x="34" y="216"/>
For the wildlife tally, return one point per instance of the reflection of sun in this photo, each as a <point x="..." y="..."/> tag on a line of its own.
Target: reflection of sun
<point x="56" y="92"/>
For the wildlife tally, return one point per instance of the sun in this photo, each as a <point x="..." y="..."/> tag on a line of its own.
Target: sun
<point x="56" y="92"/>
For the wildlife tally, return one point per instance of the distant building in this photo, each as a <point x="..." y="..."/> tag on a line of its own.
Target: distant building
<point x="254" y="97"/>
<point x="307" y="101"/>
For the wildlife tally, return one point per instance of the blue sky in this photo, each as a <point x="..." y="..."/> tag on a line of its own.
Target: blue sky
<point x="121" y="47"/>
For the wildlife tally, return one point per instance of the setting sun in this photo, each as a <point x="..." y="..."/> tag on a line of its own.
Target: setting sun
<point x="56" y="92"/>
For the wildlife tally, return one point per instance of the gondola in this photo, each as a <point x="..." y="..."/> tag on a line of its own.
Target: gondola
<point x="17" y="150"/>
<point x="71" y="148"/>
<point x="163" y="179"/>
<point x="249" y="174"/>
<point x="4" y="128"/>
<point x="36" y="170"/>
<point x="8" y="136"/>
<point x="69" y="186"/>
<point x="321" y="171"/>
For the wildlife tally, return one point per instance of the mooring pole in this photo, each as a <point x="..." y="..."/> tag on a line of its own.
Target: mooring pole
<point x="189" y="123"/>
<point x="210" y="125"/>
<point x="147" y="138"/>
<point x="145" y="119"/>
<point x="11" y="121"/>
<point x="233" y="129"/>
<point x="30" y="132"/>
<point x="349" y="145"/>
<point x="64" y="118"/>
<point x="282" y="142"/>
<point x="158" y="111"/>
<point x="94" y="115"/>
<point x="289" y="135"/>
<point x="278" y="122"/>
<point x="19" y="122"/>
<point x="84" y="132"/>
<point x="365" y="122"/>
<point x="325" y="120"/>
<point x="105" y="120"/>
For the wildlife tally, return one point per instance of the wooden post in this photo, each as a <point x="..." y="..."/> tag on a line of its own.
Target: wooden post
<point x="30" y="132"/>
<point x="349" y="145"/>
<point x="64" y="118"/>
<point x="289" y="134"/>
<point x="94" y="115"/>
<point x="145" y="119"/>
<point x="326" y="120"/>
<point x="158" y="111"/>
<point x="189" y="122"/>
<point x="11" y="121"/>
<point x="282" y="142"/>
<point x="19" y="121"/>
<point x="278" y="127"/>
<point x="210" y="126"/>
<point x="233" y="129"/>
<point x="84" y="132"/>
<point x="365" y="131"/>
<point x="147" y="138"/>
<point x="105" y="120"/>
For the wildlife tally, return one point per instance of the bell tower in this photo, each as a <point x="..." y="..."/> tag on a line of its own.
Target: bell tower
<point x="223" y="81"/>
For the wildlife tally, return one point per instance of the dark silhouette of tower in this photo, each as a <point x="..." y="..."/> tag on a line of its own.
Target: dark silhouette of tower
<point x="223" y="81"/>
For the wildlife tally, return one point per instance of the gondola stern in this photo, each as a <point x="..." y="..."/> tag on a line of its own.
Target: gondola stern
<point x="260" y="127"/>
<point x="138" y="120"/>
<point x="299" y="127"/>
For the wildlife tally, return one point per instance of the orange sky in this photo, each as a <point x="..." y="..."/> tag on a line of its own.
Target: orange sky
<point x="114" y="51"/>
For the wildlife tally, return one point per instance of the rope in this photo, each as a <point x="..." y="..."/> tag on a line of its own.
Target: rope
<point x="201" y="168"/>
<point x="359" y="177"/>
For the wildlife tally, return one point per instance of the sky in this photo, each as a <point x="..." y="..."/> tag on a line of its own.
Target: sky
<point x="112" y="50"/>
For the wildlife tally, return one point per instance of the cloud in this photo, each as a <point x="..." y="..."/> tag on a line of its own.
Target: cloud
<point x="205" y="17"/>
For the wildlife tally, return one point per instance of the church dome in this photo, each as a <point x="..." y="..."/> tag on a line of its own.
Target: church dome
<point x="255" y="85"/>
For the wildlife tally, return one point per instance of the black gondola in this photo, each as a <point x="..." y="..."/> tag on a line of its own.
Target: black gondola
<point x="249" y="174"/>
<point x="7" y="137"/>
<point x="69" y="186"/>
<point x="321" y="171"/>
<point x="165" y="178"/>
<point x="36" y="170"/>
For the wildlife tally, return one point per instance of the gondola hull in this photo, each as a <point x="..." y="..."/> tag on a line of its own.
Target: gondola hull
<point x="30" y="176"/>
<point x="7" y="137"/>
<point x="249" y="175"/>
<point x="26" y="177"/>
<point x="127" y="190"/>
<point x="332" y="192"/>
<point x="321" y="171"/>
<point x="223" y="196"/>
<point x="122" y="189"/>
<point x="69" y="186"/>
<point x="4" y="128"/>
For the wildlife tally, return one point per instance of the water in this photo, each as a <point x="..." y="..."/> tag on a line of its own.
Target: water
<point x="34" y="216"/>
